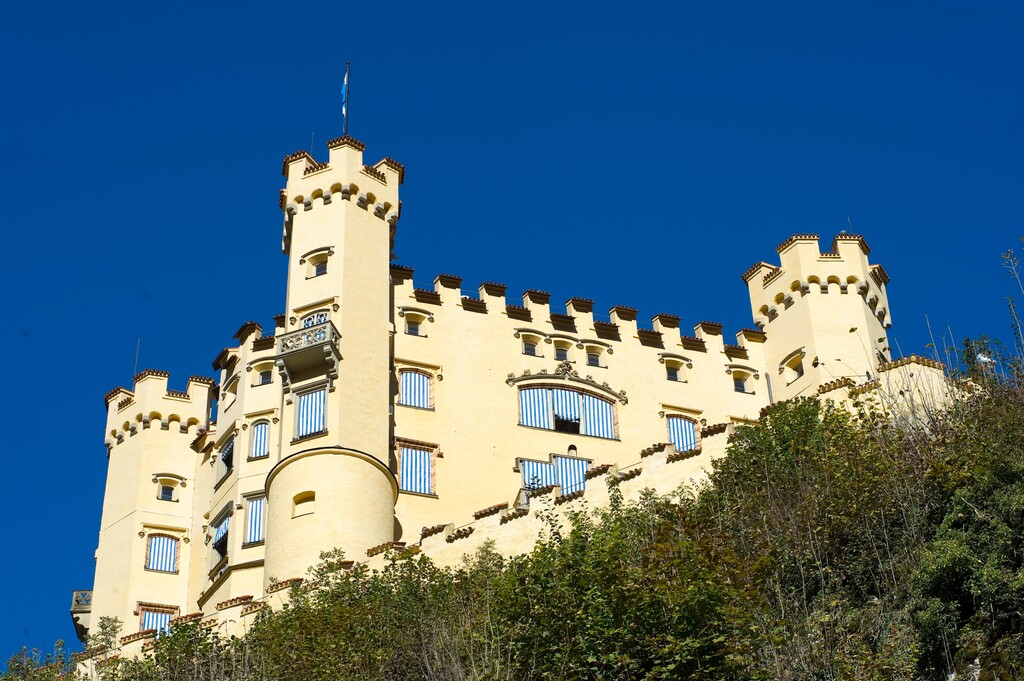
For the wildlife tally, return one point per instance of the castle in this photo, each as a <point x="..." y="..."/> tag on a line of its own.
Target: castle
<point x="376" y="415"/>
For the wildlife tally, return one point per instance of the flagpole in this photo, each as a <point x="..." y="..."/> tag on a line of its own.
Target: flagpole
<point x="348" y="89"/>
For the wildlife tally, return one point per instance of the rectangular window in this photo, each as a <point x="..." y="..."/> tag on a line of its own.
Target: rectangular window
<point x="260" y="440"/>
<point x="593" y="359"/>
<point x="571" y="473"/>
<point x="739" y="385"/>
<point x="311" y="413"/>
<point x="220" y="537"/>
<point x="414" y="389"/>
<point x="162" y="553"/>
<point x="227" y="454"/>
<point x="598" y="417"/>
<point x="266" y="377"/>
<point x="412" y="328"/>
<point x="567" y="472"/>
<point x="682" y="433"/>
<point x="155" y="619"/>
<point x="320" y="268"/>
<point x="535" y="407"/>
<point x="254" y="516"/>
<point x="673" y="373"/>
<point x="561" y="354"/>
<point x="414" y="470"/>
<point x="530" y="348"/>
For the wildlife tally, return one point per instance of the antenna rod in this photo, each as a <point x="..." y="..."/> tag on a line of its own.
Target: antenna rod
<point x="344" y="97"/>
<point x="138" y="344"/>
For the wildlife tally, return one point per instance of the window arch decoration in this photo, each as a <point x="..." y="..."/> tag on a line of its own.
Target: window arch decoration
<point x="315" y="317"/>
<point x="565" y="372"/>
<point x="415" y="388"/>
<point x="683" y="432"/>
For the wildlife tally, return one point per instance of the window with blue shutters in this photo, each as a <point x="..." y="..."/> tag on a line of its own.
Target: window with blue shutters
<point x="682" y="433"/>
<point x="567" y="472"/>
<point x="162" y="553"/>
<point x="156" y="617"/>
<point x="567" y="410"/>
<point x="414" y="389"/>
<point x="311" y="412"/>
<point x="255" y="516"/>
<point x="260" y="440"/>
<point x="220" y="537"/>
<point x="416" y="469"/>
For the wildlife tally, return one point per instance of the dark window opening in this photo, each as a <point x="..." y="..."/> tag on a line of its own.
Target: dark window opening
<point x="593" y="359"/>
<point x="566" y="426"/>
<point x="320" y="268"/>
<point x="166" y="493"/>
<point x="561" y="354"/>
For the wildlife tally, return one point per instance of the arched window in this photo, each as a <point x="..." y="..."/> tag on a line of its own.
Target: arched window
<point x="260" y="446"/>
<point x="682" y="433"/>
<point x="254" y="520"/>
<point x="567" y="410"/>
<point x="414" y="389"/>
<point x="162" y="553"/>
<point x="314" y="318"/>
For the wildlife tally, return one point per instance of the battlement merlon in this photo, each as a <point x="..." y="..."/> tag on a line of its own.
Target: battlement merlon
<point x="804" y="268"/>
<point x="150" y="399"/>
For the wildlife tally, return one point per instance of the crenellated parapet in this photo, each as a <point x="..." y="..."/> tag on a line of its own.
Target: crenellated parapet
<point x="805" y="269"/>
<point x="343" y="177"/>
<point x="534" y="315"/>
<point x="152" y="404"/>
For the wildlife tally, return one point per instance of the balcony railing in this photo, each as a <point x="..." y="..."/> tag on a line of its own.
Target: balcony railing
<point x="81" y="601"/>
<point x="312" y="349"/>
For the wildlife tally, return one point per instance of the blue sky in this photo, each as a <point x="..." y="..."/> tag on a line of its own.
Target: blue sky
<point x="638" y="153"/>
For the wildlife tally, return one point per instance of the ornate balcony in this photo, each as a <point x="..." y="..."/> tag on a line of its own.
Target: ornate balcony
<point x="81" y="609"/>
<point x="308" y="351"/>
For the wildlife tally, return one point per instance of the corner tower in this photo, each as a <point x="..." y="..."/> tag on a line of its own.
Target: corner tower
<point x="825" y="314"/>
<point x="333" y="486"/>
<point x="145" y="540"/>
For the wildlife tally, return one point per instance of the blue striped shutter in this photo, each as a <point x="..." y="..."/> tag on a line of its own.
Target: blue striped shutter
<point x="414" y="470"/>
<point x="537" y="473"/>
<point x="571" y="473"/>
<point x="155" y="620"/>
<point x="311" y="412"/>
<point x="566" y="404"/>
<point x="535" y="407"/>
<point x="254" y="531"/>
<point x="260" y="444"/>
<point x="163" y="554"/>
<point x="598" y="417"/>
<point x="221" y="530"/>
<point x="415" y="389"/>
<point x="682" y="433"/>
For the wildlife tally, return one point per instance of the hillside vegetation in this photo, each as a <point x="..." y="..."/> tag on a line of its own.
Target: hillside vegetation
<point x="826" y="545"/>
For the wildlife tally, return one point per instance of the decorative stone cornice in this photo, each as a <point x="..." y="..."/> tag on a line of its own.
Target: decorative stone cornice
<point x="461" y="533"/>
<point x="375" y="174"/>
<point x="302" y="153"/>
<point x="381" y="548"/>
<point x="597" y="471"/>
<point x="280" y="586"/>
<point x="793" y="239"/>
<point x="138" y="636"/>
<point x="843" y="382"/>
<point x="755" y="268"/>
<point x="232" y="602"/>
<point x="191" y="617"/>
<point x="912" y="359"/>
<point x="565" y="372"/>
<point x="566" y="498"/>
<point x="394" y="165"/>
<point x="518" y="513"/>
<point x="346" y="141"/>
<point x="432" y="530"/>
<point x="490" y="510"/>
<point x="683" y="455"/>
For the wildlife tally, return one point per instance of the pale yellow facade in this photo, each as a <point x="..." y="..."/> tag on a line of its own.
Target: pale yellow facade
<point x="378" y="415"/>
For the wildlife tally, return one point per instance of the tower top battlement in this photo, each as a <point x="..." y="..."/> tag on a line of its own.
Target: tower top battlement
<point x="129" y="411"/>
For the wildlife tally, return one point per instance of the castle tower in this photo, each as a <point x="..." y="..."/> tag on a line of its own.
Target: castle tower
<point x="145" y="541"/>
<point x="333" y="486"/>
<point x="825" y="314"/>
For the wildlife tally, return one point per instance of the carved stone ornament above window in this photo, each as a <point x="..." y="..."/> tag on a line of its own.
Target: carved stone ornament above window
<point x="565" y="372"/>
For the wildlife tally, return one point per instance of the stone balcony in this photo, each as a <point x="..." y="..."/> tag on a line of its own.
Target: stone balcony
<point x="81" y="610"/>
<point x="308" y="352"/>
